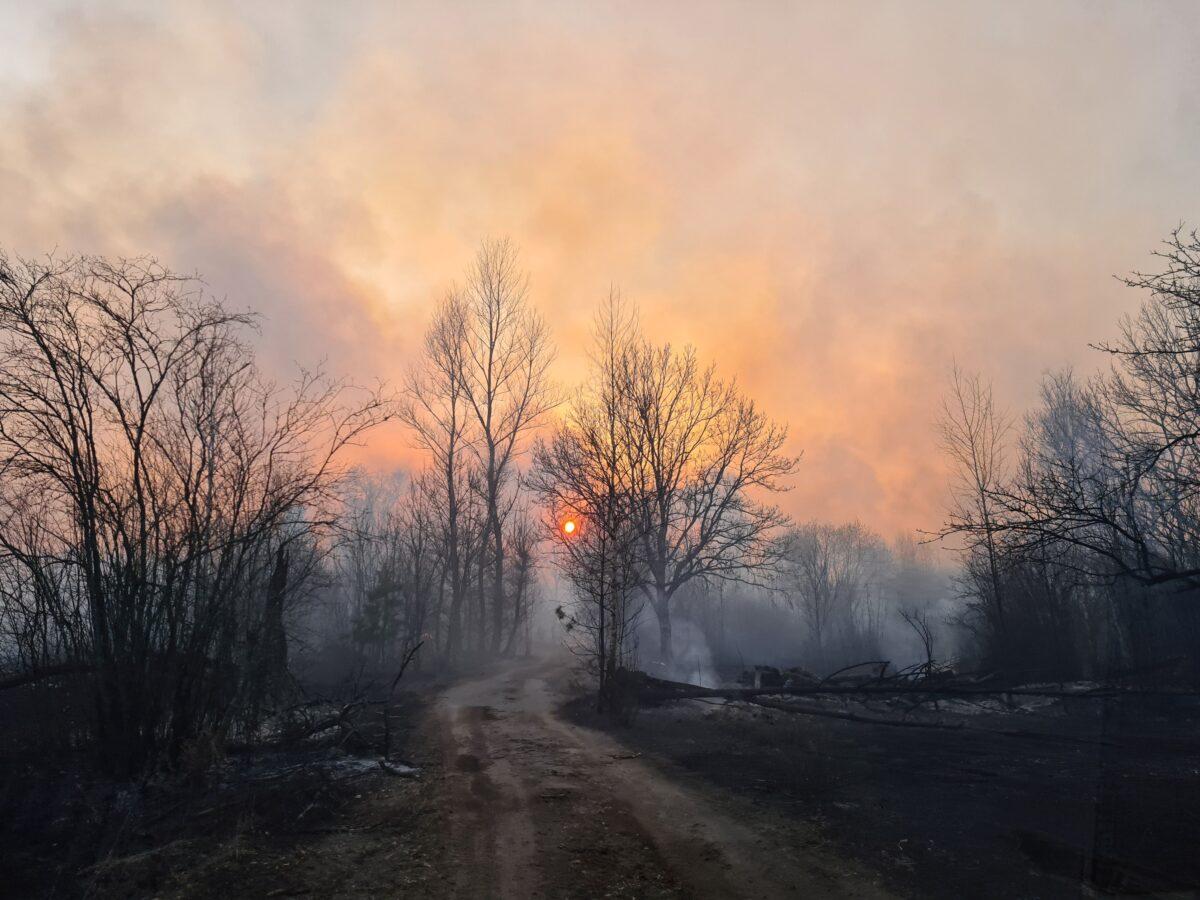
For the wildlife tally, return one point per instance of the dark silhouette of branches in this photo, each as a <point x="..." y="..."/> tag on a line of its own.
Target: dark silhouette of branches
<point x="153" y="488"/>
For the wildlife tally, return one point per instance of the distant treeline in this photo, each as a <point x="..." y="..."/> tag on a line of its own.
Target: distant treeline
<point x="1083" y="534"/>
<point x="179" y="535"/>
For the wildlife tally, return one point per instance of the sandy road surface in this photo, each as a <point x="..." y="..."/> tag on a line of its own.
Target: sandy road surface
<point x="537" y="807"/>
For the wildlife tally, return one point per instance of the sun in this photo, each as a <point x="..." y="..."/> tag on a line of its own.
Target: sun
<point x="569" y="526"/>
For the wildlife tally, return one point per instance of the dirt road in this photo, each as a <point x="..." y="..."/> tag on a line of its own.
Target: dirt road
<point x="537" y="807"/>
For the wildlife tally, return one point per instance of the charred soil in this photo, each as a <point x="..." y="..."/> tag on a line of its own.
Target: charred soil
<point x="1100" y="798"/>
<point x="313" y="821"/>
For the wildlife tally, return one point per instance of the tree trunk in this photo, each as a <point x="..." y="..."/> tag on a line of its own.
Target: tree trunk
<point x="497" y="583"/>
<point x="518" y="617"/>
<point x="481" y="574"/>
<point x="454" y="625"/>
<point x="602" y="657"/>
<point x="662" y="609"/>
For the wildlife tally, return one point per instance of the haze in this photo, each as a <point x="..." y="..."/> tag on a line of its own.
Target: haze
<point x="834" y="207"/>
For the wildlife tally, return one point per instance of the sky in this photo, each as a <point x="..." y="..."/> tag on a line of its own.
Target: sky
<point x="833" y="202"/>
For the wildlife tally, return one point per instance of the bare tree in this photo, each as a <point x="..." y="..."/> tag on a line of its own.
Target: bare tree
<point x="173" y="484"/>
<point x="834" y="573"/>
<point x="438" y="411"/>
<point x="1096" y="532"/>
<point x="585" y="474"/>
<point x="705" y="455"/>
<point x="522" y="541"/>
<point x="682" y="455"/>
<point x="974" y="435"/>
<point x="479" y="390"/>
<point x="389" y="561"/>
<point x="416" y="532"/>
<point x="1133" y="502"/>
<point x="365" y="561"/>
<point x="918" y="620"/>
<point x="506" y="355"/>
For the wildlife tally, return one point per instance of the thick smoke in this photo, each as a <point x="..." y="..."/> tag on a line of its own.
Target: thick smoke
<point x="712" y="172"/>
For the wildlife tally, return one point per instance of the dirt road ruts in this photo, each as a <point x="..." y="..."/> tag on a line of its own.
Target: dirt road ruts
<point x="537" y="807"/>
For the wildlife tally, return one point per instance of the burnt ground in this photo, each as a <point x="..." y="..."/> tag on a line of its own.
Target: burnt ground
<point x="1102" y="799"/>
<point x="306" y="822"/>
<point x="512" y="802"/>
<point x="524" y="793"/>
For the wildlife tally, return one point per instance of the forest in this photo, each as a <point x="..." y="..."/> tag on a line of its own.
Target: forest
<point x="192" y="572"/>
<point x="519" y="450"/>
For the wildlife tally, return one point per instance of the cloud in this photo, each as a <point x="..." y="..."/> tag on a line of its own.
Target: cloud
<point x="832" y="206"/>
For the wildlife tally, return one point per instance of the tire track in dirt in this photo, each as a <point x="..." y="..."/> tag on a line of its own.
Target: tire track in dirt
<point x="537" y="807"/>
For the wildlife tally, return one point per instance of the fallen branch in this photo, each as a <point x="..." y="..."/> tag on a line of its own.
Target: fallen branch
<point x="387" y="709"/>
<point x="658" y="689"/>
<point x="852" y="717"/>
<point x="15" y="681"/>
<point x="880" y="664"/>
<point x="917" y="723"/>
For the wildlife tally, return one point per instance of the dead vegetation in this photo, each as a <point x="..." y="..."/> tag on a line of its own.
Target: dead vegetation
<point x="983" y="789"/>
<point x="923" y="695"/>
<point x="308" y="813"/>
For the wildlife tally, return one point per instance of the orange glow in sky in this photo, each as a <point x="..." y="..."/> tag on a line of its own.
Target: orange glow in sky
<point x="833" y="227"/>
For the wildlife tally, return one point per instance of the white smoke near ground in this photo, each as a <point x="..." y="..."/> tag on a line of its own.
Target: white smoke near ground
<point x="692" y="659"/>
<point x="722" y="631"/>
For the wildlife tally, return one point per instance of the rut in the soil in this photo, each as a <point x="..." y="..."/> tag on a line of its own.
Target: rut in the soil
<point x="542" y="808"/>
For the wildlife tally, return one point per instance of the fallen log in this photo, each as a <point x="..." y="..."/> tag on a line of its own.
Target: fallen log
<point x="23" y="678"/>
<point x="880" y="666"/>
<point x="852" y="717"/>
<point x="660" y="690"/>
<point x="1018" y="733"/>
